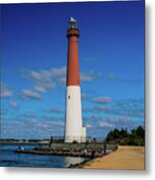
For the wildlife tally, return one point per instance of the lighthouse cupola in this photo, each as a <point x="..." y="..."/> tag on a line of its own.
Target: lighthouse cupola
<point x="72" y="28"/>
<point x="72" y="23"/>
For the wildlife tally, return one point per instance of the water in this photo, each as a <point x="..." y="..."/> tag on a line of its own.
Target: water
<point x="8" y="158"/>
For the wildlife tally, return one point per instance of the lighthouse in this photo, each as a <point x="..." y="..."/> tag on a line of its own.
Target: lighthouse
<point x="74" y="131"/>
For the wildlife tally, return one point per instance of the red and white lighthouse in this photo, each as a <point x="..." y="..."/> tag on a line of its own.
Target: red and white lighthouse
<point x="74" y="131"/>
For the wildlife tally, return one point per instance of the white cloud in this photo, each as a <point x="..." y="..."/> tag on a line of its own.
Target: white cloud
<point x="41" y="78"/>
<point x="102" y="99"/>
<point x="30" y="94"/>
<point x="13" y="104"/>
<point x="57" y="72"/>
<point x="5" y="91"/>
<point x="40" y="89"/>
<point x="89" y="76"/>
<point x="56" y="110"/>
<point x="88" y="125"/>
<point x="106" y="125"/>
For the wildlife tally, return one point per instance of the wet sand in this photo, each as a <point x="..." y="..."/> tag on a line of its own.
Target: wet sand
<point x="125" y="157"/>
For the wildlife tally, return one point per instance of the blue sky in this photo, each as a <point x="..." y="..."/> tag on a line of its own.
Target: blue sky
<point x="34" y="59"/>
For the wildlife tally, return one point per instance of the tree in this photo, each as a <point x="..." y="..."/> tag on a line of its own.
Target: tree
<point x="135" y="137"/>
<point x="140" y="132"/>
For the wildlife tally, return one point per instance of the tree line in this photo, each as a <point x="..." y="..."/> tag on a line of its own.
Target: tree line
<point x="123" y="137"/>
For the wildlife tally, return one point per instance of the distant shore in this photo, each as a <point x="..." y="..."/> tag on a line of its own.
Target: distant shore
<point x="24" y="141"/>
<point x="124" y="158"/>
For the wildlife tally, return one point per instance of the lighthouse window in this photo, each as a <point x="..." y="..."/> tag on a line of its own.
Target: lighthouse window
<point x="68" y="97"/>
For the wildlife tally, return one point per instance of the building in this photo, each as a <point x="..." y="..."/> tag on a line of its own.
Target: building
<point x="74" y="131"/>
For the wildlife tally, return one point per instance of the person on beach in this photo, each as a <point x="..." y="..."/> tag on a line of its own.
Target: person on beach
<point x="20" y="148"/>
<point x="93" y="154"/>
<point x="105" y="148"/>
<point x="51" y="141"/>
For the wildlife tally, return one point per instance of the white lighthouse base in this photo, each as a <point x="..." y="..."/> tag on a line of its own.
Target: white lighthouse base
<point x="73" y="129"/>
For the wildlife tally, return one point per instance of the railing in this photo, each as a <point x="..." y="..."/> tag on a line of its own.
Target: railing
<point x="90" y="144"/>
<point x="87" y="139"/>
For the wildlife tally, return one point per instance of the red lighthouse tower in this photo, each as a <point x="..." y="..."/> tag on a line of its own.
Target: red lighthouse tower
<point x="73" y="129"/>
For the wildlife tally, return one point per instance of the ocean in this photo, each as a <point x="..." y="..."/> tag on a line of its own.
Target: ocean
<point x="8" y="158"/>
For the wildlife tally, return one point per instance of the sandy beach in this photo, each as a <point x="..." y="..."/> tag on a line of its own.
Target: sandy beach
<point x="125" y="157"/>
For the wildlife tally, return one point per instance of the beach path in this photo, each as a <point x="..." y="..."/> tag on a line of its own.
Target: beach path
<point x="125" y="157"/>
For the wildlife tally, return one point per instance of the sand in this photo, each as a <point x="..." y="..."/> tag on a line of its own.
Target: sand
<point x="125" y="157"/>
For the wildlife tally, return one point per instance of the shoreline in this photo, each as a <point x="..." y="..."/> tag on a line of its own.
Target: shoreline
<point x="124" y="158"/>
<point x="78" y="150"/>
